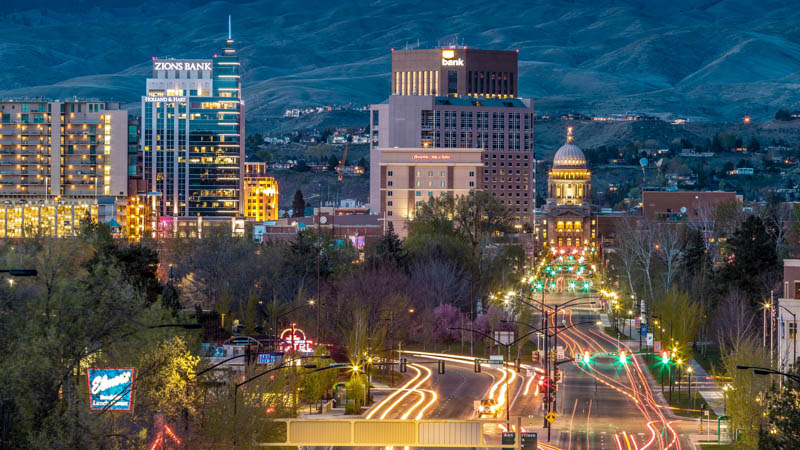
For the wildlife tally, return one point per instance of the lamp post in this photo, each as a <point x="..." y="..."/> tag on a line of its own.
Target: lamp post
<point x="766" y="371"/>
<point x="689" y="375"/>
<point x="508" y="348"/>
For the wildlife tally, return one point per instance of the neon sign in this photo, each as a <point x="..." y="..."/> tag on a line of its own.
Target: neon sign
<point x="294" y="339"/>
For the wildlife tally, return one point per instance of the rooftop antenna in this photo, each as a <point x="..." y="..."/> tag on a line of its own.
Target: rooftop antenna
<point x="229" y="27"/>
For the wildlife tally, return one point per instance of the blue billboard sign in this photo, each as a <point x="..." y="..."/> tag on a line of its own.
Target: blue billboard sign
<point x="110" y="389"/>
<point x="269" y="358"/>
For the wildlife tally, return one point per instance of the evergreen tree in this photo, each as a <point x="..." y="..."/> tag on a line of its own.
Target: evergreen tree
<point x="389" y="250"/>
<point x="751" y="260"/>
<point x="363" y="164"/>
<point x="694" y="258"/>
<point x="301" y="166"/>
<point x="298" y="204"/>
<point x="333" y="161"/>
<point x="716" y="144"/>
<point x="754" y="145"/>
<point x="782" y="114"/>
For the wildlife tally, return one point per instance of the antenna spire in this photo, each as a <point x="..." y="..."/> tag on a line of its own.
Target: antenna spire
<point x="229" y="27"/>
<point x="569" y="135"/>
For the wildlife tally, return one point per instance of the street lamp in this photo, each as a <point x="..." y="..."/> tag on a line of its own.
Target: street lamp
<point x="689" y="375"/>
<point x="766" y="371"/>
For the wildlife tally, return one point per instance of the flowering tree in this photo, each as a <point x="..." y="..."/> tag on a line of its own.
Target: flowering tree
<point x="446" y="316"/>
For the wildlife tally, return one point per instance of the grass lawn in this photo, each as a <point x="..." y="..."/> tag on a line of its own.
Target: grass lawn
<point x="614" y="333"/>
<point x="718" y="447"/>
<point x="712" y="360"/>
<point x="655" y="367"/>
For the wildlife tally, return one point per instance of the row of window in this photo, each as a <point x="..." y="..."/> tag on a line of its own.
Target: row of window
<point x="511" y="142"/>
<point x="431" y="119"/>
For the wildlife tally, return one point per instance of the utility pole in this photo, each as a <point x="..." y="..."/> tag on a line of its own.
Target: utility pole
<point x="319" y="251"/>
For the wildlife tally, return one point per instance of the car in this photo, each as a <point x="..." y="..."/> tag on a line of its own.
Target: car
<point x="488" y="408"/>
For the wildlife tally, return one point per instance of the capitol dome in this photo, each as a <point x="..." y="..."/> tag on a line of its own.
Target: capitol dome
<point x="569" y="156"/>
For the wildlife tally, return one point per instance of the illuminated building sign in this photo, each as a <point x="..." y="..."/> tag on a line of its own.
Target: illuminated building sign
<point x="426" y="157"/>
<point x="171" y="99"/>
<point x="295" y="339"/>
<point x="182" y="65"/>
<point x="452" y="62"/>
<point x="110" y="388"/>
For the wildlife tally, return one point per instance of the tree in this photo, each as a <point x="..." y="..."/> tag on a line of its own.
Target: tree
<point x="363" y="164"/>
<point x="716" y="144"/>
<point x="301" y="166"/>
<point x="681" y="316"/>
<point x="333" y="162"/>
<point x="783" y="115"/>
<point x="165" y="381"/>
<point x="753" y="145"/>
<point x="669" y="248"/>
<point x="389" y="250"/>
<point x="447" y="316"/>
<point x="695" y="260"/>
<point x="744" y="398"/>
<point x="783" y="416"/>
<point x="752" y="263"/>
<point x="298" y="204"/>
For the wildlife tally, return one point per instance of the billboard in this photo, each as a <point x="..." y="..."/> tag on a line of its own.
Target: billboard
<point x="110" y="389"/>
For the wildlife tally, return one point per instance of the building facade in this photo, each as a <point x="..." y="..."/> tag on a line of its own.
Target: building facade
<point x="568" y="220"/>
<point x="787" y="311"/>
<point x="410" y="176"/>
<point x="73" y="148"/>
<point x="260" y="192"/>
<point x="455" y="72"/>
<point x="192" y="136"/>
<point x="503" y="129"/>
<point x="61" y="162"/>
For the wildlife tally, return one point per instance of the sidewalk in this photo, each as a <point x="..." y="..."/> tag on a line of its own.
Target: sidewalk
<point x="710" y="391"/>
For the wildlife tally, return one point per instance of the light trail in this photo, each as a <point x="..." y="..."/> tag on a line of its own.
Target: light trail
<point x="408" y="391"/>
<point x="428" y="375"/>
<point x="394" y="394"/>
<point x="638" y="390"/>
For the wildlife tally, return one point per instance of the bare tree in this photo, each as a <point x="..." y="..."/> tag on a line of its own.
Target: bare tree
<point x="644" y="245"/>
<point x="625" y="248"/>
<point x="734" y="318"/>
<point x="437" y="281"/>
<point x="669" y="249"/>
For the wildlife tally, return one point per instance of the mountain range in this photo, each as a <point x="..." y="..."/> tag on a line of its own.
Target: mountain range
<point x="713" y="60"/>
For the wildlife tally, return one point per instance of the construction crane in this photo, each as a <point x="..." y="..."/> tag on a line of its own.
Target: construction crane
<point x="340" y="167"/>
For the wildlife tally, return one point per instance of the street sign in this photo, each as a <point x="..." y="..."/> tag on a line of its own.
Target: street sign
<point x="530" y="440"/>
<point x="508" y="438"/>
<point x="498" y="358"/>
<point x="644" y="329"/>
<point x="560" y="352"/>
<point x="504" y="337"/>
<point x="657" y="347"/>
<point x="649" y="339"/>
<point x="551" y="417"/>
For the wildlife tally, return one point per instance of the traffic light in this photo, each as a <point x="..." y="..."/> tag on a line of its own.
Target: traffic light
<point x="586" y="358"/>
<point x="665" y="357"/>
<point x="536" y="357"/>
<point x="477" y="366"/>
<point x="441" y="367"/>
<point x="517" y="365"/>
<point x="403" y="365"/>
<point x="623" y="359"/>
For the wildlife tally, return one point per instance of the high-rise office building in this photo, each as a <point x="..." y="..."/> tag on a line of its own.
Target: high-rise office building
<point x="455" y="71"/>
<point x="461" y="114"/>
<point x="192" y="136"/>
<point x="260" y="192"/>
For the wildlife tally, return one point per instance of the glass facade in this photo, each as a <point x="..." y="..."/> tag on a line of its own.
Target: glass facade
<point x="192" y="146"/>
